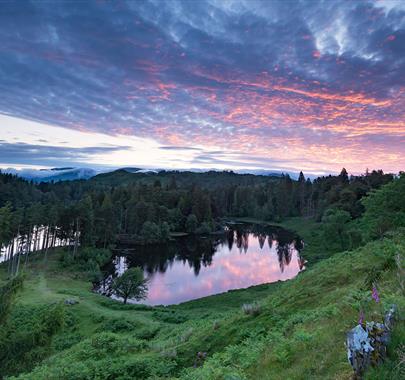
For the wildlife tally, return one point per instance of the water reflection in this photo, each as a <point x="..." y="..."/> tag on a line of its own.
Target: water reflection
<point x="191" y="268"/>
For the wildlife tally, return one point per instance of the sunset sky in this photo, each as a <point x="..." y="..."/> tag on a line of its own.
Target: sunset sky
<point x="277" y="85"/>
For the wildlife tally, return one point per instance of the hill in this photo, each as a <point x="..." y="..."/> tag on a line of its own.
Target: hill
<point x="209" y="179"/>
<point x="54" y="174"/>
<point x="298" y="332"/>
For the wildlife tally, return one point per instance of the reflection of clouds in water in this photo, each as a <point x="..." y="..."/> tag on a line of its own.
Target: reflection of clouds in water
<point x="241" y="260"/>
<point x="190" y="269"/>
<point x="120" y="264"/>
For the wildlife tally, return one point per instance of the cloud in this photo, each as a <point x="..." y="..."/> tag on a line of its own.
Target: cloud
<point x="179" y="148"/>
<point x="21" y="153"/>
<point x="317" y="82"/>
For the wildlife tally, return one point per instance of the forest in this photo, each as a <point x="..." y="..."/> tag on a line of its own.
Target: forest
<point x="148" y="208"/>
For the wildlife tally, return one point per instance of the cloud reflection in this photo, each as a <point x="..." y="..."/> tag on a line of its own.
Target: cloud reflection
<point x="197" y="268"/>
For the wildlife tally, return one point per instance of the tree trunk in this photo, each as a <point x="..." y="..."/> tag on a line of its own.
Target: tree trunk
<point x="53" y="237"/>
<point x="47" y="242"/>
<point x="45" y="238"/>
<point x="18" y="259"/>
<point x="28" y="246"/>
<point x="76" y="238"/>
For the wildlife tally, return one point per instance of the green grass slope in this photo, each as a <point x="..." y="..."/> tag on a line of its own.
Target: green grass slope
<point x="298" y="332"/>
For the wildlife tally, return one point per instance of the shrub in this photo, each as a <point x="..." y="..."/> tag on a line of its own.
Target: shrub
<point x="118" y="325"/>
<point x="146" y="332"/>
<point x="88" y="261"/>
<point x="65" y="341"/>
<point x="26" y="338"/>
<point x="186" y="335"/>
<point x="204" y="229"/>
<point x="251" y="308"/>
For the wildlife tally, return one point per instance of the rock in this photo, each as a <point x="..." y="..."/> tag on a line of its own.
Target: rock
<point x="358" y="348"/>
<point x="367" y="344"/>
<point x="70" y="301"/>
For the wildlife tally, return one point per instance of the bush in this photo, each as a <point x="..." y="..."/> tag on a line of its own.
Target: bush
<point x="118" y="325"/>
<point x="26" y="338"/>
<point x="88" y="261"/>
<point x="186" y="335"/>
<point x="191" y="224"/>
<point x="204" y="229"/>
<point x="385" y="208"/>
<point x="146" y="332"/>
<point x="65" y="341"/>
<point x="251" y="308"/>
<point x="104" y="356"/>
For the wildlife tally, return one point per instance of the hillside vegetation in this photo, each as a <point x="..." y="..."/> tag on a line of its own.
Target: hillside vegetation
<point x="287" y="330"/>
<point x="298" y="334"/>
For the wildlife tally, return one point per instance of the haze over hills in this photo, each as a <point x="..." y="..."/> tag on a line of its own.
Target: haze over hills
<point x="76" y="173"/>
<point x="54" y="174"/>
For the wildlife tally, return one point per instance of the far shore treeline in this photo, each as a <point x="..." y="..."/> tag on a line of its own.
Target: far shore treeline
<point x="148" y="207"/>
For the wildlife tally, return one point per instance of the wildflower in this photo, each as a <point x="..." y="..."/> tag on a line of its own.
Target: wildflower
<point x="361" y="318"/>
<point x="375" y="295"/>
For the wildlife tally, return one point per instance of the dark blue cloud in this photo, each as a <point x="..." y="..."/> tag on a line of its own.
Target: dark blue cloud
<point x="40" y="155"/>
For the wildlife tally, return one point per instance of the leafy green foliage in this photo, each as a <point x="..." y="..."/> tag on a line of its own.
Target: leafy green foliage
<point x="8" y="292"/>
<point x="306" y="314"/>
<point x="335" y="229"/>
<point x="131" y="284"/>
<point x="104" y="356"/>
<point x="191" y="223"/>
<point x="26" y="337"/>
<point x="87" y="261"/>
<point x="385" y="208"/>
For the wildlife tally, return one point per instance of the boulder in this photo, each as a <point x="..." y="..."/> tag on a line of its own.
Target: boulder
<point x="367" y="343"/>
<point x="70" y="301"/>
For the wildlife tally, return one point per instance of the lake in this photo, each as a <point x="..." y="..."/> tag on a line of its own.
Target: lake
<point x="193" y="267"/>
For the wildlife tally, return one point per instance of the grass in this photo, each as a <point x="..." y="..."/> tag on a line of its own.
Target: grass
<point x="299" y="332"/>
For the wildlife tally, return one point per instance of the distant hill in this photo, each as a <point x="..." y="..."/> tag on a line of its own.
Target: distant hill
<point x="208" y="179"/>
<point x="54" y="174"/>
<point x="129" y="175"/>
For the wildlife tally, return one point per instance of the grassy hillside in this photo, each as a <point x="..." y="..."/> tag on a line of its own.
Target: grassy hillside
<point x="297" y="333"/>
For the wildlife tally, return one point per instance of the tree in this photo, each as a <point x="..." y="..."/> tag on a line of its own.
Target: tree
<point x="131" y="284"/>
<point x="344" y="177"/>
<point x="385" y="208"/>
<point x="164" y="231"/>
<point x="6" y="220"/>
<point x="150" y="232"/>
<point x="85" y="221"/>
<point x="335" y="227"/>
<point x="107" y="222"/>
<point x="191" y="223"/>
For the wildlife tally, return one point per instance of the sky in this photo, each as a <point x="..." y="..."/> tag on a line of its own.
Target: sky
<point x="276" y="85"/>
